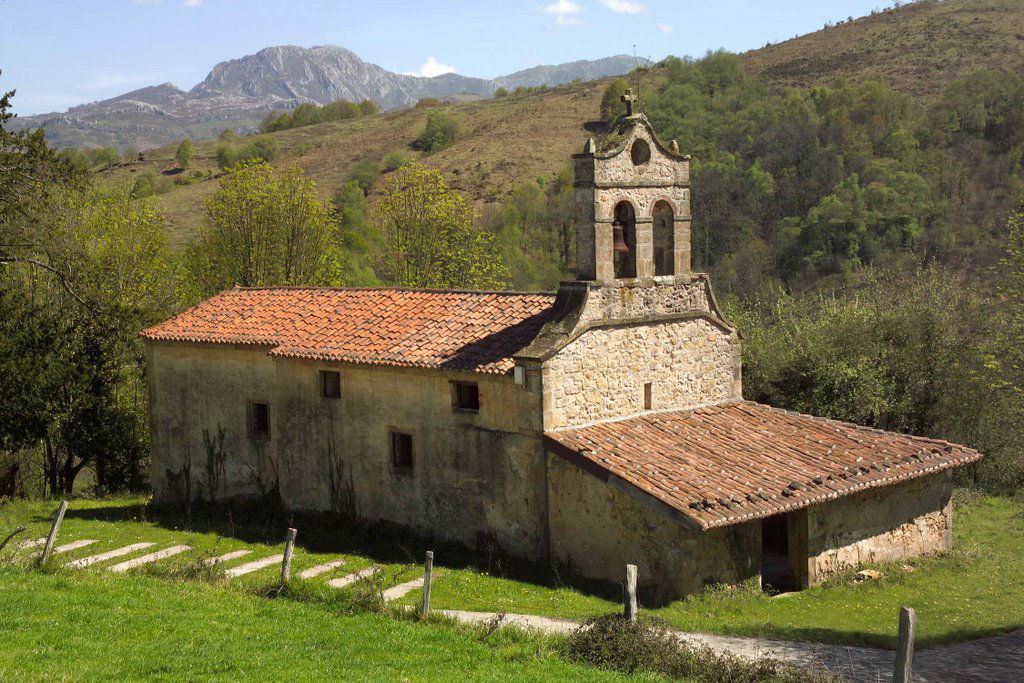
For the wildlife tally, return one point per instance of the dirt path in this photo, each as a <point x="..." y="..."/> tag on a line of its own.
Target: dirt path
<point x="1000" y="658"/>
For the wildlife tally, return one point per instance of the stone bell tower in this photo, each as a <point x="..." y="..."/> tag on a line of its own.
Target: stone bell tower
<point x="632" y="206"/>
<point x="636" y="331"/>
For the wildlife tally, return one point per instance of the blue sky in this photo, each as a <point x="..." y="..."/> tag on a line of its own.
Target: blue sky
<point x="58" y="53"/>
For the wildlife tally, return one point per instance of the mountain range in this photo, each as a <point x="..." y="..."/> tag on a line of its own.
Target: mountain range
<point x="239" y="92"/>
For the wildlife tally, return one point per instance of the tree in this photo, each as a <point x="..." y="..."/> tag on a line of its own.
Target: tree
<point x="184" y="153"/>
<point x="263" y="229"/>
<point x="429" y="237"/>
<point x="439" y="132"/>
<point x="356" y="235"/>
<point x="611" y="105"/>
<point x="501" y="92"/>
<point x="368" y="108"/>
<point x="365" y="174"/>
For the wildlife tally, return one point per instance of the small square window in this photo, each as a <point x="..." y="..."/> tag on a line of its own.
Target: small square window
<point x="401" y="450"/>
<point x="466" y="397"/>
<point x="330" y="384"/>
<point x="259" y="419"/>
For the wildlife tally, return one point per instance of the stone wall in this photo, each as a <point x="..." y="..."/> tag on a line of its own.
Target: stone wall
<point x="601" y="375"/>
<point x="596" y="530"/>
<point x="198" y="394"/>
<point x="880" y="525"/>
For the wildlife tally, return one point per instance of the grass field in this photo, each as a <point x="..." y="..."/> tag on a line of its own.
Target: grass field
<point x="93" y="626"/>
<point x="969" y="593"/>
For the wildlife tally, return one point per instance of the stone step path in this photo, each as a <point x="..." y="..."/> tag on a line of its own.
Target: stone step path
<point x="68" y="547"/>
<point x="988" y="660"/>
<point x="250" y="567"/>
<point x="352" y="578"/>
<point x="109" y="555"/>
<point x="226" y="557"/>
<point x="321" y="569"/>
<point x="403" y="589"/>
<point x="152" y="557"/>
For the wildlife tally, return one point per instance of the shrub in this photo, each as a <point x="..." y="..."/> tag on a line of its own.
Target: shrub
<point x="611" y="105"/>
<point x="364" y="173"/>
<point x="439" y="132"/>
<point x="647" y="645"/>
<point x="426" y="102"/>
<point x="394" y="160"/>
<point x="227" y="135"/>
<point x="144" y="185"/>
<point x="368" y="108"/>
<point x="501" y="92"/>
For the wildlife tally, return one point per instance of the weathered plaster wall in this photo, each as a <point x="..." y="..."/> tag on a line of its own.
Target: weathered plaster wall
<point x="197" y="388"/>
<point x="473" y="473"/>
<point x="601" y="374"/>
<point x="597" y="530"/>
<point x="880" y="525"/>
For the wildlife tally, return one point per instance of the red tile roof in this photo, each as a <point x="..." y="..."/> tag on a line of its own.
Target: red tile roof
<point x="471" y="331"/>
<point x="738" y="461"/>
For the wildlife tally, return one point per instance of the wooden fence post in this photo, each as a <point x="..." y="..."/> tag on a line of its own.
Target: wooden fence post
<point x="58" y="518"/>
<point x="629" y="596"/>
<point x="289" y="548"/>
<point x="905" y="645"/>
<point x="428" y="568"/>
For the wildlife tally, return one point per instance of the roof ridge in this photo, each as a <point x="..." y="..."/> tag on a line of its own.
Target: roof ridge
<point x="424" y="290"/>
<point x="854" y="425"/>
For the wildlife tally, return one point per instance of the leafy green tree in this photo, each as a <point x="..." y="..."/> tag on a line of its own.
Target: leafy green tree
<point x="501" y="92"/>
<point x="365" y="174"/>
<point x="263" y="229"/>
<point x="184" y="153"/>
<point x="429" y="237"/>
<point x="306" y="114"/>
<point x="368" y="108"/>
<point x="357" y="236"/>
<point x="439" y="132"/>
<point x="611" y="105"/>
<point x="394" y="160"/>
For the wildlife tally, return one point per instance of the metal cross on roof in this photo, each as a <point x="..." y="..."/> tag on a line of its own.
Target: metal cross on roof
<point x="629" y="98"/>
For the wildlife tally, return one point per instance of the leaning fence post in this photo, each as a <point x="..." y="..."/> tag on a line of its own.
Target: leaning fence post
<point x="48" y="548"/>
<point x="289" y="548"/>
<point x="629" y="596"/>
<point x="905" y="645"/>
<point x="428" y="567"/>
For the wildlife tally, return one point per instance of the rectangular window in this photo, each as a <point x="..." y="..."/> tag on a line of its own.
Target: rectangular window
<point x="466" y="397"/>
<point x="259" y="419"/>
<point x="648" y="395"/>
<point x="401" y="451"/>
<point x="330" y="384"/>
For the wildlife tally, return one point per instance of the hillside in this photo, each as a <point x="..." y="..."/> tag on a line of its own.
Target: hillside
<point x="237" y="93"/>
<point x="918" y="48"/>
<point x="503" y="142"/>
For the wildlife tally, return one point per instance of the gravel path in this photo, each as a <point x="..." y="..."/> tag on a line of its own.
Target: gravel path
<point x="1000" y="658"/>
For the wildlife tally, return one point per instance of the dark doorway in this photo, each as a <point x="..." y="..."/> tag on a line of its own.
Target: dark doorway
<point x="776" y="574"/>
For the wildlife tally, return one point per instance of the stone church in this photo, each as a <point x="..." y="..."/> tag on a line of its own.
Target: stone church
<point x="598" y="426"/>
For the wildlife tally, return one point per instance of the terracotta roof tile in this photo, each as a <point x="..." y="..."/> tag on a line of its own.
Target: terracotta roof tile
<point x="471" y="331"/>
<point x="738" y="461"/>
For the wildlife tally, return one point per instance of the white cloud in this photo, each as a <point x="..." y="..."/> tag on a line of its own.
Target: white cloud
<point x="564" y="11"/>
<point x="666" y="28"/>
<point x="193" y="3"/>
<point x="624" y="6"/>
<point x="431" y="68"/>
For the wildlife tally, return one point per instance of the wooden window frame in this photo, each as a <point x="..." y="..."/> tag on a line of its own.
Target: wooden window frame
<point x="250" y="412"/>
<point x="405" y="470"/>
<point x="456" y="385"/>
<point x="322" y="381"/>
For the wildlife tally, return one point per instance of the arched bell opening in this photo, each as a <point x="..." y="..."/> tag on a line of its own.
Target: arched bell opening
<point x="624" y="241"/>
<point x="664" y="239"/>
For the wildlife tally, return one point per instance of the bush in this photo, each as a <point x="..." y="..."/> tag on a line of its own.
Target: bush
<point x="501" y="92"/>
<point x="227" y="135"/>
<point x="263" y="148"/>
<point x="365" y="174"/>
<point x="427" y="102"/>
<point x="440" y="131"/>
<point x="368" y="108"/>
<point x="611" y="105"/>
<point x="394" y="160"/>
<point x="647" y="645"/>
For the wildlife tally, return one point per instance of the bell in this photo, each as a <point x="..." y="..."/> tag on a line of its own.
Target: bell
<point x="619" y="238"/>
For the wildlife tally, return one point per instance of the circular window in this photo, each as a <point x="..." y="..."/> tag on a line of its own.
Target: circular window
<point x="640" y="153"/>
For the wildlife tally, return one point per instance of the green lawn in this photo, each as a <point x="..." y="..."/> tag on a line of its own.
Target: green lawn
<point x="87" y="625"/>
<point x="969" y="593"/>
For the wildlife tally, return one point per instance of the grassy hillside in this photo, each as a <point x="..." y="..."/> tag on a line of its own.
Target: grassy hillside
<point x="919" y="48"/>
